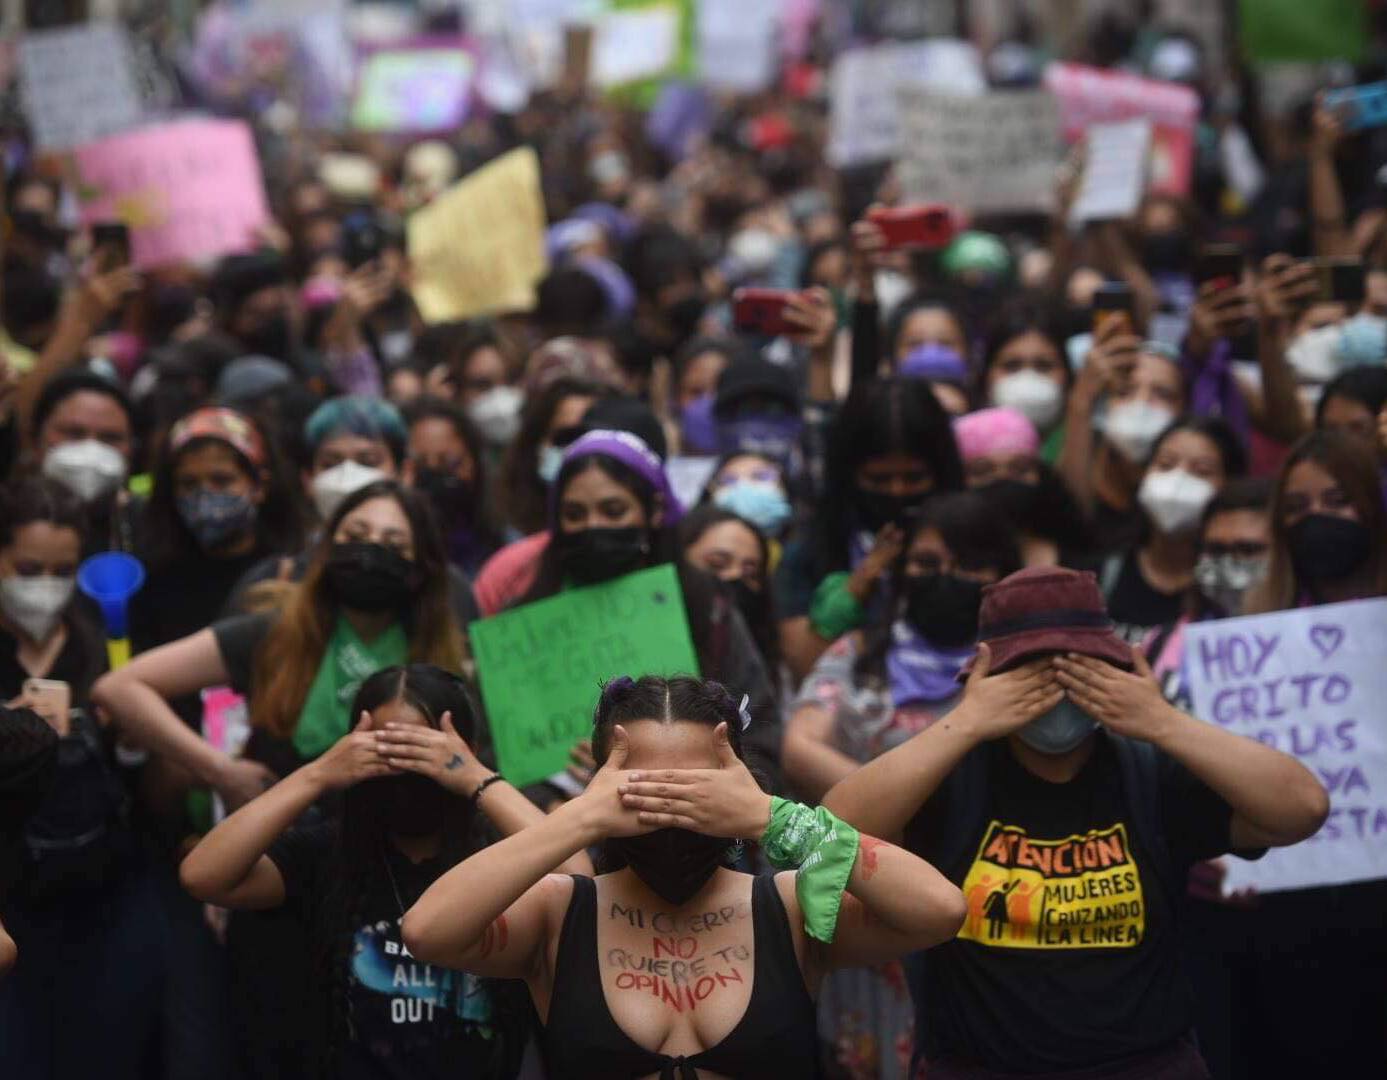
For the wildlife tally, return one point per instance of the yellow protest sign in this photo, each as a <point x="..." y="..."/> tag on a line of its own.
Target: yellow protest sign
<point x="479" y="247"/>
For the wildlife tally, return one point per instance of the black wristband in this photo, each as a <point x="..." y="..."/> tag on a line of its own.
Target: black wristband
<point x="493" y="778"/>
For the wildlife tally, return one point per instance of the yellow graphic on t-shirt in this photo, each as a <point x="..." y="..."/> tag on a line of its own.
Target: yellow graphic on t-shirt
<point x="1082" y="892"/>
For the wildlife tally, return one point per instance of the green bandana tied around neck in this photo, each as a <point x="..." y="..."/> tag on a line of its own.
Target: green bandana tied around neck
<point x="347" y="662"/>
<point x="822" y="849"/>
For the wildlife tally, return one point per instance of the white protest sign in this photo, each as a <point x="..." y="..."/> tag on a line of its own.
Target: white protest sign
<point x="989" y="154"/>
<point x="863" y="124"/>
<point x="736" y="43"/>
<point x="1313" y="683"/>
<point x="79" y="84"/>
<point x="633" y="44"/>
<point x="1114" y="172"/>
<point x="688" y="476"/>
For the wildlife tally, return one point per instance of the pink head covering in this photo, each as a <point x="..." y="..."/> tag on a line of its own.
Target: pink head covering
<point x="995" y="431"/>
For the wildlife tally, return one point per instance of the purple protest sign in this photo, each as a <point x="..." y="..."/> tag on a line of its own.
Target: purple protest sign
<point x="1312" y="683"/>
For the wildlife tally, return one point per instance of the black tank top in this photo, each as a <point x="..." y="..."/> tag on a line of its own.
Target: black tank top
<point x="775" y="1038"/>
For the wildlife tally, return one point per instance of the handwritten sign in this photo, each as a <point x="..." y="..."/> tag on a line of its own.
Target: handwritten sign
<point x="541" y="666"/>
<point x="189" y="191"/>
<point x="736" y="43"/>
<point x="79" y="84"/>
<point x="1313" y="684"/>
<point x="996" y="152"/>
<point x="420" y="89"/>
<point x="479" y="247"/>
<point x="1089" y="95"/>
<point x="1114" y="171"/>
<point x="863" y="123"/>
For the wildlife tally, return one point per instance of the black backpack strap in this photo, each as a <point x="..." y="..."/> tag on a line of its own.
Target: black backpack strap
<point x="1139" y="764"/>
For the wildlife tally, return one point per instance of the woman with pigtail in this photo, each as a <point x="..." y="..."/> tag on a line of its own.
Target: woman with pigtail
<point x="670" y="964"/>
<point x="410" y="789"/>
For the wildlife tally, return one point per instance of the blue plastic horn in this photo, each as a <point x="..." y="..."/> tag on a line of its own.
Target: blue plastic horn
<point x="111" y="579"/>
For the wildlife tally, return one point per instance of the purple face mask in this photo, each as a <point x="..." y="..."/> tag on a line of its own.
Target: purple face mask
<point x="919" y="671"/>
<point x="773" y="437"/>
<point x="696" y="422"/>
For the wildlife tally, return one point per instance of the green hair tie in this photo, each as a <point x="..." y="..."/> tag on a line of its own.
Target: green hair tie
<point x="822" y="849"/>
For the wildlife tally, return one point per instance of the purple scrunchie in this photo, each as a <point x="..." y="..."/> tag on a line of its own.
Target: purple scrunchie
<point x="632" y="452"/>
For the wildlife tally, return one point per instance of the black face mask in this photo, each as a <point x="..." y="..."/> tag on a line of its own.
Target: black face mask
<point x="1166" y="252"/>
<point x="1328" y="548"/>
<point x="750" y="602"/>
<point x="272" y="337"/>
<point x="411" y="804"/>
<point x="1015" y="498"/>
<point x="943" y="608"/>
<point x="450" y="495"/>
<point x="592" y="555"/>
<point x="370" y="577"/>
<point x="875" y="508"/>
<point x="673" y="863"/>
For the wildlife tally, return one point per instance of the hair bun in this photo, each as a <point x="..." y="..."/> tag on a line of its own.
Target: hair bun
<point x="612" y="690"/>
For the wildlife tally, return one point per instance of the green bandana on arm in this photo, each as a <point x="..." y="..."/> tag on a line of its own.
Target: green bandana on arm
<point x="822" y="849"/>
<point x="347" y="662"/>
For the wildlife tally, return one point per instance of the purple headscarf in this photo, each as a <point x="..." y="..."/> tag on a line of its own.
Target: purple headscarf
<point x="632" y="452"/>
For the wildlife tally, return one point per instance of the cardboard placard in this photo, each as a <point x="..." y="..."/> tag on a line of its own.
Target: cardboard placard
<point x="479" y="247"/>
<point x="993" y="153"/>
<point x="542" y="666"/>
<point x="1312" y="683"/>
<point x="189" y="191"/>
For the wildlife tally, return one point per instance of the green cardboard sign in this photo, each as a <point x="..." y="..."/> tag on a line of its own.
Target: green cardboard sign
<point x="542" y="666"/>
<point x="1299" y="30"/>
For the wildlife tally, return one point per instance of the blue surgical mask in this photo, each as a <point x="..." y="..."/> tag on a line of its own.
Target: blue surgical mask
<point x="1363" y="340"/>
<point x="764" y="505"/>
<point x="1058" y="731"/>
<point x="550" y="462"/>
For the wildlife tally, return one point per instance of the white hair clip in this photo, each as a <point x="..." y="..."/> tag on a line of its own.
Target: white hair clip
<point x="744" y="712"/>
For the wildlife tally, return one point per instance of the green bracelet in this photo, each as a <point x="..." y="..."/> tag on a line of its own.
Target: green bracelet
<point x="822" y="849"/>
<point x="834" y="611"/>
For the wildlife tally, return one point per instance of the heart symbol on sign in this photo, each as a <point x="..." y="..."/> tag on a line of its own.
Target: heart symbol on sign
<point x="1326" y="638"/>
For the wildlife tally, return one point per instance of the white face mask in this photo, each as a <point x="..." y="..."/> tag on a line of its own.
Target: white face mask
<point x="1174" y="499"/>
<point x="89" y="469"/>
<point x="1039" y="398"/>
<point x="333" y="485"/>
<point x="550" y="462"/>
<point x="1133" y="426"/>
<point x="1314" y="355"/>
<point x="497" y="414"/>
<point x="34" y="604"/>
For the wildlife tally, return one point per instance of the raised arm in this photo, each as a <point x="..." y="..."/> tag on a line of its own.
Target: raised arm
<point x="882" y="796"/>
<point x="1284" y="286"/>
<point x="1328" y="218"/>
<point x="1276" y="800"/>
<point x="229" y="866"/>
<point x="136" y="696"/>
<point x="494" y="913"/>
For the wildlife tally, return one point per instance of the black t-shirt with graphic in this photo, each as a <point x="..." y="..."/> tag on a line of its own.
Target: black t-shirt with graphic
<point x="407" y="1020"/>
<point x="1068" y="957"/>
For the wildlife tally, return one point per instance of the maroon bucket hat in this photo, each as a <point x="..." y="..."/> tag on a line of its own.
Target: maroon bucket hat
<point x="1047" y="609"/>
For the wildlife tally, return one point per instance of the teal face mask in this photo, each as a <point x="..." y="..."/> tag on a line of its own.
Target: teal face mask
<point x="1058" y="731"/>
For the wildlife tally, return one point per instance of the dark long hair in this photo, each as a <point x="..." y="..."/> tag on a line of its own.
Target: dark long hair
<point x="880" y="417"/>
<point x="764" y="627"/>
<point x="1025" y="315"/>
<point x="663" y="545"/>
<point x="978" y="537"/>
<point x="279" y="525"/>
<point x="432" y="408"/>
<point x="522" y="493"/>
<point x="358" y="869"/>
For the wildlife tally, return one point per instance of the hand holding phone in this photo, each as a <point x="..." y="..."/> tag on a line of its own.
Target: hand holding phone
<point x="762" y="311"/>
<point x="1113" y="302"/>
<point x="929" y="226"/>
<point x="1359" y="107"/>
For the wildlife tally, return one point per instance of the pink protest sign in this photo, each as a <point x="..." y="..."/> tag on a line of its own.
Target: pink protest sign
<point x="1089" y="95"/>
<point x="189" y="190"/>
